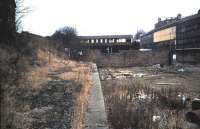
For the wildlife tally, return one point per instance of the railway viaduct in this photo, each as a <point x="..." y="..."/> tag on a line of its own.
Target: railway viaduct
<point x="109" y="43"/>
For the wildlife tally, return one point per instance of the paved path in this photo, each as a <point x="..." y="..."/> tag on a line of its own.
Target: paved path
<point x="96" y="115"/>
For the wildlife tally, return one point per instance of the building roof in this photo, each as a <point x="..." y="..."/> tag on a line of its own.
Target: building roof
<point x="107" y="37"/>
<point x="185" y="19"/>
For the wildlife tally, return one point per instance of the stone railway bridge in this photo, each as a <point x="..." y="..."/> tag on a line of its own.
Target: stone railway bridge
<point x="109" y="43"/>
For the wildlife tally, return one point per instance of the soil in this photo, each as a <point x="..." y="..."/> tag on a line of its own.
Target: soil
<point x="51" y="107"/>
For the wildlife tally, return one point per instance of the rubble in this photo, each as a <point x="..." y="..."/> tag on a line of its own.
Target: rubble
<point x="181" y="70"/>
<point x="120" y="74"/>
<point x="156" y="118"/>
<point x="171" y="95"/>
<point x="157" y="66"/>
<point x="139" y="75"/>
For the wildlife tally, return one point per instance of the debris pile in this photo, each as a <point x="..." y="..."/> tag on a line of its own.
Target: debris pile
<point x="120" y="74"/>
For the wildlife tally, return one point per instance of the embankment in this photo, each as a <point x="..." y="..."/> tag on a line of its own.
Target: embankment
<point x="40" y="86"/>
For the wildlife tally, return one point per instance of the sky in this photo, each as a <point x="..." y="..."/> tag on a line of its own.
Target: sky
<point x="102" y="17"/>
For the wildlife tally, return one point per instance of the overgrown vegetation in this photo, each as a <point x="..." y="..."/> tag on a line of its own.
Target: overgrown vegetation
<point x="40" y="85"/>
<point x="31" y="97"/>
<point x="134" y="105"/>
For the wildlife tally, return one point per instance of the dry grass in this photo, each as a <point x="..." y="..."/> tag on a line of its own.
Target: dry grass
<point x="73" y="71"/>
<point x="81" y="74"/>
<point x="32" y="77"/>
<point x="84" y="78"/>
<point x="37" y="77"/>
<point x="127" y="110"/>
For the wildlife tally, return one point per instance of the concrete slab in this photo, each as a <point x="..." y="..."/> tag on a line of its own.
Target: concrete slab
<point x="96" y="115"/>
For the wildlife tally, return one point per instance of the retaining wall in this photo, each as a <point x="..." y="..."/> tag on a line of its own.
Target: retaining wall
<point x="127" y="58"/>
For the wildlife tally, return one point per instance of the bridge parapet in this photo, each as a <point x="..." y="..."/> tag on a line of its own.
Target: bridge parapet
<point x="106" y="40"/>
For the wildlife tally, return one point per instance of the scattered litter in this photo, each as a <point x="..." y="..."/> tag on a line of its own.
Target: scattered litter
<point x="139" y="75"/>
<point x="145" y="50"/>
<point x="174" y="57"/>
<point x="141" y="95"/>
<point x="181" y="70"/>
<point x="156" y="118"/>
<point x="119" y="77"/>
<point x="120" y="74"/>
<point x="157" y="66"/>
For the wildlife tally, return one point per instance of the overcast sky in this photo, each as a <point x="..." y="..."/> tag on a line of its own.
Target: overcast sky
<point x="102" y="17"/>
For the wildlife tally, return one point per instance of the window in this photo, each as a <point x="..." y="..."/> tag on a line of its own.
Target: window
<point x="105" y="40"/>
<point x="121" y="40"/>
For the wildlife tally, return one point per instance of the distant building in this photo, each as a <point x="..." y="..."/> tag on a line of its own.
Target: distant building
<point x="178" y="35"/>
<point x="167" y="21"/>
<point x="179" y="32"/>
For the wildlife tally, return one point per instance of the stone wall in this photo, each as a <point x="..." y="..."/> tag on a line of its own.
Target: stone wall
<point x="191" y="57"/>
<point x="126" y="58"/>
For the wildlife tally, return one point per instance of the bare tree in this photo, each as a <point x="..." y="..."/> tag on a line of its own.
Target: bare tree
<point x="139" y="34"/>
<point x="65" y="35"/>
<point x="11" y="15"/>
<point x="21" y="11"/>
